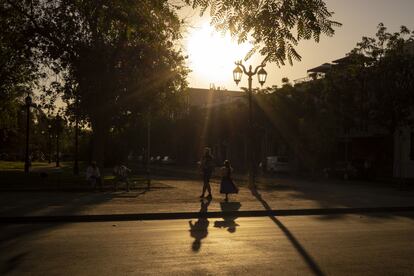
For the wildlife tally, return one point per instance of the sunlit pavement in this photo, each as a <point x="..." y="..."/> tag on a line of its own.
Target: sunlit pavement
<point x="168" y="196"/>
<point x="310" y="245"/>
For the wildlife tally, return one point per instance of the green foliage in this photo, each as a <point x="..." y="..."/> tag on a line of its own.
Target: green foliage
<point x="18" y="166"/>
<point x="275" y="27"/>
<point x="116" y="58"/>
<point x="369" y="91"/>
<point x="18" y="70"/>
<point x="383" y="78"/>
<point x="304" y="121"/>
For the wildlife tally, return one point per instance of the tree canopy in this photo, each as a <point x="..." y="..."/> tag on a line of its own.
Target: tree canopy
<point x="370" y="90"/>
<point x="115" y="57"/>
<point x="275" y="27"/>
<point x="387" y="76"/>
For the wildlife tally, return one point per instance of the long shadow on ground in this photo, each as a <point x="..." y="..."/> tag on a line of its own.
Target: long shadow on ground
<point x="301" y="250"/>
<point x="199" y="229"/>
<point x="229" y="221"/>
<point x="12" y="235"/>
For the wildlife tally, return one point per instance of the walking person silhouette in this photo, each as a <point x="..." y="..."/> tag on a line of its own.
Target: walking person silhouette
<point x="227" y="185"/>
<point x="207" y="167"/>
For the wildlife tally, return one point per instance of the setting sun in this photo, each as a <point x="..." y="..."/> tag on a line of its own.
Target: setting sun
<point x="212" y="55"/>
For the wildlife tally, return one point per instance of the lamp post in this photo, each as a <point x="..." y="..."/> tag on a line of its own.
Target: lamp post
<point x="49" y="127"/>
<point x="148" y="149"/>
<point x="28" y="102"/>
<point x="58" y="129"/>
<point x="262" y="75"/>
<point x="76" y="164"/>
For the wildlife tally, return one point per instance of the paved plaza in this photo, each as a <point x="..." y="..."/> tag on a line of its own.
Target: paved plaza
<point x="181" y="195"/>
<point x="230" y="243"/>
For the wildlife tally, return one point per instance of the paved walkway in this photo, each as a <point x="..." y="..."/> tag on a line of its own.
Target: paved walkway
<point x="181" y="195"/>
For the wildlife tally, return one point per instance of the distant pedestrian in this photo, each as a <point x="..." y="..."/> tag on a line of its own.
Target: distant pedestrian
<point x="93" y="175"/>
<point x="207" y="167"/>
<point x="121" y="175"/>
<point x="227" y="185"/>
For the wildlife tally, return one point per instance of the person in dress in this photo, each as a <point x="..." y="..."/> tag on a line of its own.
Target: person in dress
<point x="207" y="167"/>
<point x="93" y="175"/>
<point x="227" y="185"/>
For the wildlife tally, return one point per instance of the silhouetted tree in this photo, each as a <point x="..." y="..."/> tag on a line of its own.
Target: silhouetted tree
<point x="388" y="76"/>
<point x="120" y="54"/>
<point x="19" y="71"/>
<point x="275" y="27"/>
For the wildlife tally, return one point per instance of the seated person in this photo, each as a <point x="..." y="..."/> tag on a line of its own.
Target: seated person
<point x="121" y="174"/>
<point x="93" y="176"/>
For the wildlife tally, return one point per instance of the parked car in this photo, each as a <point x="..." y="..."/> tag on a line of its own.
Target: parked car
<point x="342" y="170"/>
<point x="278" y="164"/>
<point x="167" y="160"/>
<point x="155" y="160"/>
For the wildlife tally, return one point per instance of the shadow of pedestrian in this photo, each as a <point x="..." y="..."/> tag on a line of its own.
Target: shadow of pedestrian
<point x="228" y="220"/>
<point x="301" y="250"/>
<point x="199" y="229"/>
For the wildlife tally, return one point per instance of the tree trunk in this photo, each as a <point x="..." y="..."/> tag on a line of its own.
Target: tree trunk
<point x="100" y="114"/>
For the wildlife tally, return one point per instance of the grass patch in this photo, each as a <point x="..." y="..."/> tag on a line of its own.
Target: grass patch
<point x="46" y="176"/>
<point x="53" y="180"/>
<point x="13" y="166"/>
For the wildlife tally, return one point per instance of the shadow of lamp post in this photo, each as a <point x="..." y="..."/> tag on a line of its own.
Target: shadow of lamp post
<point x="262" y="75"/>
<point x="28" y="104"/>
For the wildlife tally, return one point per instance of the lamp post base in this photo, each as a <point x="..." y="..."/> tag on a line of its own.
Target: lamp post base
<point x="76" y="168"/>
<point x="26" y="167"/>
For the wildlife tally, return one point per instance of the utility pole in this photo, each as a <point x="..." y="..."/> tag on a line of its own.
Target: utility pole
<point x="28" y="101"/>
<point x="58" y="129"/>
<point x="148" y="148"/>
<point x="76" y="162"/>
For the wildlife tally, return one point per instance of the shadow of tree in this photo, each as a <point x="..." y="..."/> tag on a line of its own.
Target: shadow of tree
<point x="66" y="203"/>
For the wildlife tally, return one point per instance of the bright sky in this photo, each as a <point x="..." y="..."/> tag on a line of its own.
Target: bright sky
<point x="211" y="56"/>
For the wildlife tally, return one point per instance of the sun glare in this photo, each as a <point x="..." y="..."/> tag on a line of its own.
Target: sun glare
<point x="212" y="55"/>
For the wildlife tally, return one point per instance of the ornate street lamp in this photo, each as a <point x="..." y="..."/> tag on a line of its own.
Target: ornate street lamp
<point x="262" y="75"/>
<point x="237" y="74"/>
<point x="28" y="104"/>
